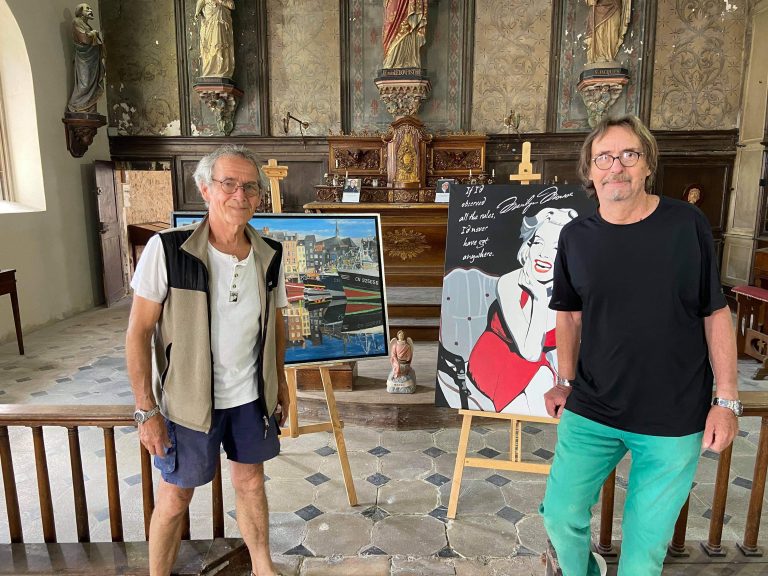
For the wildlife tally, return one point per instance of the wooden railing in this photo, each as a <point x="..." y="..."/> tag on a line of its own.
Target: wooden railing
<point x="755" y="405"/>
<point x="73" y="418"/>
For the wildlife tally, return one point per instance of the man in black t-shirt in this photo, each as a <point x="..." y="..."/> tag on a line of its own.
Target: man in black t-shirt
<point x="643" y="331"/>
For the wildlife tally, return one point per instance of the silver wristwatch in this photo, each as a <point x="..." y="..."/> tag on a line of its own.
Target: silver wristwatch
<point x="563" y="382"/>
<point x="142" y="416"/>
<point x="734" y="406"/>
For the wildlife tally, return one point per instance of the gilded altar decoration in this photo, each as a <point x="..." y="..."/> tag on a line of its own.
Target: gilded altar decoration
<point x="404" y="33"/>
<point x="217" y="46"/>
<point x="606" y="26"/>
<point x="404" y="243"/>
<point x="406" y="161"/>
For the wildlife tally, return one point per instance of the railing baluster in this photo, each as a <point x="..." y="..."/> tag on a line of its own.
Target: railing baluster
<point x="217" y="503"/>
<point x="113" y="486"/>
<point x="712" y="547"/>
<point x="78" y="485"/>
<point x="43" y="485"/>
<point x="147" y="488"/>
<point x="9" y="486"/>
<point x="749" y="546"/>
<point x="676" y="547"/>
<point x="605" y="544"/>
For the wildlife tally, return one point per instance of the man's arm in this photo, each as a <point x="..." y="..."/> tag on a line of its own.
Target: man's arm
<point x="138" y="356"/>
<point x="283" y="398"/>
<point x="722" y="423"/>
<point x="568" y="336"/>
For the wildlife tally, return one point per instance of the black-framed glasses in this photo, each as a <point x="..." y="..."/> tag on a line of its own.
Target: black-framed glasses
<point x="230" y="186"/>
<point x="628" y="158"/>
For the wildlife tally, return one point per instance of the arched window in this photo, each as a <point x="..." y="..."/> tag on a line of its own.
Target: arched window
<point x="19" y="142"/>
<point x="6" y="186"/>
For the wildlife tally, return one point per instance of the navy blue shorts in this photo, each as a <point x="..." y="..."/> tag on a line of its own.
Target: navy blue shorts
<point x="191" y="459"/>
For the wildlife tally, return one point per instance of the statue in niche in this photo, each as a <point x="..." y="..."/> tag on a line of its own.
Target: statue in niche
<point x="404" y="33"/>
<point x="217" y="46"/>
<point x="89" y="63"/>
<point x="606" y="26"/>
<point x="402" y="378"/>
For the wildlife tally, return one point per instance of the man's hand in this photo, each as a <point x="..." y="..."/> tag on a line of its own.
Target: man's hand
<point x="154" y="436"/>
<point x="283" y="402"/>
<point x="720" y="429"/>
<point x="554" y="400"/>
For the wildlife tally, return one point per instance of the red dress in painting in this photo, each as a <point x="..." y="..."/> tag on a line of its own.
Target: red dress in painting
<point x="495" y="365"/>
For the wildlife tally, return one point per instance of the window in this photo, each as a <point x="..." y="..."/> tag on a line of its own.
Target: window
<point x="6" y="189"/>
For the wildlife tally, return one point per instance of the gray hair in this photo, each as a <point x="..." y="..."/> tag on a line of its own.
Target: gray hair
<point x="636" y="126"/>
<point x="531" y="225"/>
<point x="80" y="9"/>
<point x="204" y="171"/>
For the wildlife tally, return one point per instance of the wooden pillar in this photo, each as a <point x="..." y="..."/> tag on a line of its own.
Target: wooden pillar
<point x="749" y="546"/>
<point x="713" y="545"/>
<point x="605" y="544"/>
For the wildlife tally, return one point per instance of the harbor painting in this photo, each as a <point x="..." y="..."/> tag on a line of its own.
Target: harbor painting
<point x="334" y="280"/>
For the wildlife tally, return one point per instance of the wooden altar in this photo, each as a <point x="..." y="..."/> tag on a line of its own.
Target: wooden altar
<point x="398" y="171"/>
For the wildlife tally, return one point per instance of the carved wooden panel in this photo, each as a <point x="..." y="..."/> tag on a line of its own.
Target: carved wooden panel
<point x="676" y="177"/>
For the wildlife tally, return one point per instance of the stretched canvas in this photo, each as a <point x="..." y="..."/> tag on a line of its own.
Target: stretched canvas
<point x="497" y="335"/>
<point x="334" y="278"/>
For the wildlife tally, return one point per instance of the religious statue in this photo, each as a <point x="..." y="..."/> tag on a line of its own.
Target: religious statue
<point x="217" y="46"/>
<point x="402" y="378"/>
<point x="404" y="33"/>
<point x="89" y="63"/>
<point x="606" y="26"/>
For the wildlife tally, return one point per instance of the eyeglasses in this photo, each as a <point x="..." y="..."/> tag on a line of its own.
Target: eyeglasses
<point x="230" y="186"/>
<point x="628" y="158"/>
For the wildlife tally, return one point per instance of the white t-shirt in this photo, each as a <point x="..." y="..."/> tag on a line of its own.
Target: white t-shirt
<point x="235" y="316"/>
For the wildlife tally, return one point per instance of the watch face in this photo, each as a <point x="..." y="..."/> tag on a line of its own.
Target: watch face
<point x="139" y="416"/>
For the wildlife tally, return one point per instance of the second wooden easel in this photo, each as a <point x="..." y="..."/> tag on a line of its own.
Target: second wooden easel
<point x="276" y="173"/>
<point x="515" y="462"/>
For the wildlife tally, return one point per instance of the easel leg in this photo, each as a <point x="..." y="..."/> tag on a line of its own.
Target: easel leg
<point x="458" y="470"/>
<point x="325" y="376"/>
<point x="293" y="410"/>
<point x="515" y="454"/>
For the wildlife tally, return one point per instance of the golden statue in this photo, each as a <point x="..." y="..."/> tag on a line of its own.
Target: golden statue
<point x="606" y="26"/>
<point x="404" y="33"/>
<point x="406" y="161"/>
<point x="217" y="47"/>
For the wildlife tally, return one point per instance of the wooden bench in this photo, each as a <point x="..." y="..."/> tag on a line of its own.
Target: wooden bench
<point x="751" y="339"/>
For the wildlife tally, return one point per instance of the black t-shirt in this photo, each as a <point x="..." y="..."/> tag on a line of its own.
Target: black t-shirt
<point x="643" y="290"/>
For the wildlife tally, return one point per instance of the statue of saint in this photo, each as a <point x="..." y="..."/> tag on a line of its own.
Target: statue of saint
<point x="606" y="26"/>
<point x="89" y="63"/>
<point x="217" y="46"/>
<point x="404" y="33"/>
<point x="402" y="378"/>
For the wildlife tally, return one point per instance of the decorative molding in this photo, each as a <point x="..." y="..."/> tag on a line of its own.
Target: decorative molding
<point x="404" y="243"/>
<point x="403" y="97"/>
<point x="80" y="130"/>
<point x="222" y="100"/>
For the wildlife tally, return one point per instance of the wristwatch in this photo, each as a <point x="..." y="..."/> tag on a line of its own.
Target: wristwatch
<point x="563" y="382"/>
<point x="734" y="406"/>
<point x="142" y="416"/>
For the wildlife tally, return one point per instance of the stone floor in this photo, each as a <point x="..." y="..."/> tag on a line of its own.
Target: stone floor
<point x="403" y="479"/>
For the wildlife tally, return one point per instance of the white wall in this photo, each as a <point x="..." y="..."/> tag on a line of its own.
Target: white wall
<point x="55" y="252"/>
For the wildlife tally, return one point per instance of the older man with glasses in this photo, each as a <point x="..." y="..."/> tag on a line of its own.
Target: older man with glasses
<point x="643" y="331"/>
<point x="208" y="299"/>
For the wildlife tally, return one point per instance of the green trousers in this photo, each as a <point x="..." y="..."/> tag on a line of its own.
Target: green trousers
<point x="660" y="479"/>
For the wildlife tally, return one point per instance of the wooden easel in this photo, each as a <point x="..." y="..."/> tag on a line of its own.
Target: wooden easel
<point x="276" y="173"/>
<point x="515" y="462"/>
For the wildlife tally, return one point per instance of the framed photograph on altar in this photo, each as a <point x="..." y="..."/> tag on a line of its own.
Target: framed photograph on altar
<point x="334" y="279"/>
<point x="351" y="192"/>
<point x="443" y="189"/>
<point x="497" y="349"/>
